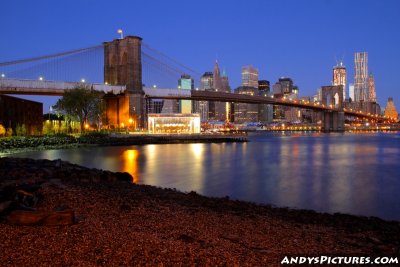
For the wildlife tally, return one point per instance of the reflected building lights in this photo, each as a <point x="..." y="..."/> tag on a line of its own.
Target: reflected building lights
<point x="130" y="163"/>
<point x="197" y="150"/>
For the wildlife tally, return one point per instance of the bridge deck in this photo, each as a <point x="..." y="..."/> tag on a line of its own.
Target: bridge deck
<point x="49" y="88"/>
<point x="36" y="87"/>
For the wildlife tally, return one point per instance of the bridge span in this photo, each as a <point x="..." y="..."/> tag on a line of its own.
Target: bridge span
<point x="50" y="88"/>
<point x="56" y="88"/>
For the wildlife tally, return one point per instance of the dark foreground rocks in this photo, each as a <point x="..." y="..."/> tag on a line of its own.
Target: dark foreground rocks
<point x="117" y="223"/>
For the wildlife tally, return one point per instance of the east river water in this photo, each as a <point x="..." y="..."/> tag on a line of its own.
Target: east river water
<point x="348" y="173"/>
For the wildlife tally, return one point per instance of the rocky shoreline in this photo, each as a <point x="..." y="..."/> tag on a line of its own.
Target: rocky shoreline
<point x="113" y="222"/>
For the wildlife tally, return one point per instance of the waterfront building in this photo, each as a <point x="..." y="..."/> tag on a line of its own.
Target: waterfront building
<point x="339" y="77"/>
<point x="219" y="111"/>
<point x="283" y="88"/>
<point x="201" y="107"/>
<point x="244" y="112"/>
<point x="173" y="123"/>
<point x="361" y="77"/>
<point x="390" y="110"/>
<point x="264" y="111"/>
<point x="250" y="76"/>
<point x="185" y="83"/>
<point x="371" y="88"/>
<point x="16" y="112"/>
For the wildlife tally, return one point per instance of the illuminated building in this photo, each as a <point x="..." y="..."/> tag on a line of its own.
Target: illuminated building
<point x="201" y="107"/>
<point x="218" y="110"/>
<point x="390" y="110"/>
<point x="173" y="123"/>
<point x="210" y="110"/>
<point x="361" y="77"/>
<point x="246" y="112"/>
<point x="283" y="88"/>
<point x="16" y="112"/>
<point x="250" y="76"/>
<point x="185" y="83"/>
<point x="339" y="77"/>
<point x="263" y="87"/>
<point x="371" y="88"/>
<point x="264" y="111"/>
<point x="206" y="81"/>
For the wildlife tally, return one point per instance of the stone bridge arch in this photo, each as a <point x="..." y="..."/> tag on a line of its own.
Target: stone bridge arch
<point x="332" y="95"/>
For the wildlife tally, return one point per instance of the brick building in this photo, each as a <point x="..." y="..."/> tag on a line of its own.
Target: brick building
<point x="16" y="111"/>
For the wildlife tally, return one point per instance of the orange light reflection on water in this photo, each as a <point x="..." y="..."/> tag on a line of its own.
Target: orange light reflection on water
<point x="130" y="163"/>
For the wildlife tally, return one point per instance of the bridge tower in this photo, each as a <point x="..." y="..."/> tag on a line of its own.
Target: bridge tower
<point x="333" y="121"/>
<point x="123" y="66"/>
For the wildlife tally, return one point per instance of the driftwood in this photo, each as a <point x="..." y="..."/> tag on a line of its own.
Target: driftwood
<point x="19" y="217"/>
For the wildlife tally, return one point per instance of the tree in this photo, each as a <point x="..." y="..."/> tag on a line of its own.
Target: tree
<point x="20" y="130"/>
<point x="2" y="130"/>
<point x="81" y="103"/>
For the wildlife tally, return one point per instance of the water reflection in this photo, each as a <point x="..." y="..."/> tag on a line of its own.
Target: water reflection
<point x="130" y="163"/>
<point x="325" y="172"/>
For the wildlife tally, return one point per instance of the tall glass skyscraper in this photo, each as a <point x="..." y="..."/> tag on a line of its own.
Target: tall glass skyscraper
<point x="361" y="92"/>
<point x="185" y="83"/>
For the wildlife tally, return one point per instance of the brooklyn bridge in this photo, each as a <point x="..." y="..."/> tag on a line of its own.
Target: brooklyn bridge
<point x="130" y="68"/>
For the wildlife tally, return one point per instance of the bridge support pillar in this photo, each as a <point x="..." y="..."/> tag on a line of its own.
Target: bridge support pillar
<point x="123" y="66"/>
<point x="333" y="121"/>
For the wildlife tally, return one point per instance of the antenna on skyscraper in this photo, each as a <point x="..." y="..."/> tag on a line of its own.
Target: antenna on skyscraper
<point x="341" y="61"/>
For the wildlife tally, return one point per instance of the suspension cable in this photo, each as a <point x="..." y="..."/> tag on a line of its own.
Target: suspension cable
<point x="14" y="62"/>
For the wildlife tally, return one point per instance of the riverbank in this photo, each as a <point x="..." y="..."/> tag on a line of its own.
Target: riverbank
<point x="22" y="144"/>
<point x="122" y="224"/>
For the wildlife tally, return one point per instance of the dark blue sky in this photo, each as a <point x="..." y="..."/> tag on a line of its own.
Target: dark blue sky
<point x="295" y="38"/>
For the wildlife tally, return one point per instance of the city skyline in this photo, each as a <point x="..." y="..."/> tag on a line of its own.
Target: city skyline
<point x="287" y="38"/>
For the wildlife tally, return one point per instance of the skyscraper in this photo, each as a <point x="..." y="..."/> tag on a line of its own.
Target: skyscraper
<point x="361" y="77"/>
<point x="206" y="83"/>
<point x="250" y="76"/>
<point x="185" y="83"/>
<point x="264" y="110"/>
<point x="351" y="91"/>
<point x="339" y="77"/>
<point x="225" y="87"/>
<point x="371" y="88"/>
<point x="216" y="77"/>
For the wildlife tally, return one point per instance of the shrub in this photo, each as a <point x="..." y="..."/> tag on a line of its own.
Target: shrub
<point x="9" y="132"/>
<point x="20" y="130"/>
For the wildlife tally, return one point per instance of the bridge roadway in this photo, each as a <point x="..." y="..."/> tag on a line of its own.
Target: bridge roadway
<point x="54" y="88"/>
<point x="49" y="88"/>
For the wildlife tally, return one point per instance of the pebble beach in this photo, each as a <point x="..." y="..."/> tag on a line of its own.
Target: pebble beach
<point x="118" y="223"/>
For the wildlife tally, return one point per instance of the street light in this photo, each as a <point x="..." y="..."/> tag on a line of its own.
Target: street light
<point x="130" y="122"/>
<point x="3" y="75"/>
<point x="83" y="80"/>
<point x="40" y="78"/>
<point x="121" y="33"/>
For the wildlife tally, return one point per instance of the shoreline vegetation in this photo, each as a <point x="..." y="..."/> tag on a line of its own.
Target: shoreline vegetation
<point x="22" y="144"/>
<point x="113" y="222"/>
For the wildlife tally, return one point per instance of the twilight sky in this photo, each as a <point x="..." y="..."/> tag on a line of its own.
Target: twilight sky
<point x="295" y="38"/>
